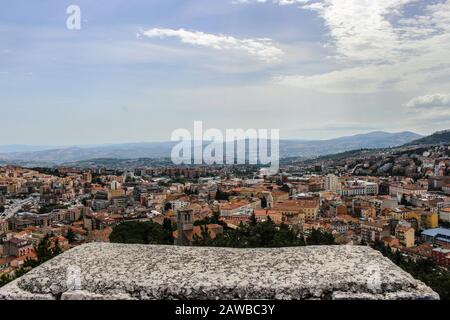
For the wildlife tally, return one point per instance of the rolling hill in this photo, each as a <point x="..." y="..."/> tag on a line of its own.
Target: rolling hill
<point x="154" y="150"/>
<point x="436" y="138"/>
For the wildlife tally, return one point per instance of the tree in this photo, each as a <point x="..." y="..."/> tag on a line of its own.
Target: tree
<point x="45" y="251"/>
<point x="50" y="207"/>
<point x="20" y="272"/>
<point x="84" y="201"/>
<point x="221" y="195"/>
<point x="168" y="228"/>
<point x="56" y="249"/>
<point x="423" y="269"/>
<point x="5" y="279"/>
<point x="404" y="202"/>
<point x="214" y="219"/>
<point x="263" y="202"/>
<point x="285" y="237"/>
<point x="141" y="232"/>
<point x="204" y="240"/>
<point x="167" y="206"/>
<point x="70" y="235"/>
<point x="167" y="225"/>
<point x="255" y="234"/>
<point x="253" y="222"/>
<point x="317" y="238"/>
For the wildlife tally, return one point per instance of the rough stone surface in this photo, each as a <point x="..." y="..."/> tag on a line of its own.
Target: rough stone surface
<point x="145" y="272"/>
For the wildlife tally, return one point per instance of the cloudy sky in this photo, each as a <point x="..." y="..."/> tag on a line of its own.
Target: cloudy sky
<point x="138" y="69"/>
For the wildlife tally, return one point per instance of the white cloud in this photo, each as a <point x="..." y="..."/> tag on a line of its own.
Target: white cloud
<point x="426" y="70"/>
<point x="280" y="2"/>
<point x="360" y="30"/>
<point x="358" y="79"/>
<point x="261" y="48"/>
<point x="435" y="19"/>
<point x="379" y="46"/>
<point x="430" y="101"/>
<point x="375" y="30"/>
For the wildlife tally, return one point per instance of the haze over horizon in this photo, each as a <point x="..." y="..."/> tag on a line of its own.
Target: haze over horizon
<point x="44" y="146"/>
<point x="137" y="70"/>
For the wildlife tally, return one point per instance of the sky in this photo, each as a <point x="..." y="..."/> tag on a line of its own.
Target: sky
<point x="136" y="70"/>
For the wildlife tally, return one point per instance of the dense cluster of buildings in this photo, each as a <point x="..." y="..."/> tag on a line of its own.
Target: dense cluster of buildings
<point x="72" y="206"/>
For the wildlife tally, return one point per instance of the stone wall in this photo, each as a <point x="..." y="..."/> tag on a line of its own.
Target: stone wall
<point x="143" y="272"/>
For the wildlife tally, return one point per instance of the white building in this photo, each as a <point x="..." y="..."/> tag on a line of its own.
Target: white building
<point x="115" y="185"/>
<point x="359" y="188"/>
<point x="396" y="190"/>
<point x="446" y="189"/>
<point x="332" y="183"/>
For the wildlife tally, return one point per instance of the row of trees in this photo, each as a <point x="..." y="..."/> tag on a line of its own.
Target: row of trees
<point x="220" y="195"/>
<point x="143" y="233"/>
<point x="252" y="235"/>
<point x="264" y="234"/>
<point x="50" y="207"/>
<point x="45" y="250"/>
<point x="424" y="269"/>
<point x="214" y="219"/>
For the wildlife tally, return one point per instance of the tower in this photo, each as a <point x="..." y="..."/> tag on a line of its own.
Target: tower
<point x="269" y="199"/>
<point x="184" y="223"/>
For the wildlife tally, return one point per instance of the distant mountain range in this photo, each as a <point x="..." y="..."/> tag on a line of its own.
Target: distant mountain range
<point x="372" y="140"/>
<point x="24" y="148"/>
<point x="20" y="154"/>
<point x="416" y="146"/>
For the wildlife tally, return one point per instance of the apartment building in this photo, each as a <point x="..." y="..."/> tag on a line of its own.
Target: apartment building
<point x="396" y="190"/>
<point x="405" y="236"/>
<point x="374" y="231"/>
<point x="358" y="188"/>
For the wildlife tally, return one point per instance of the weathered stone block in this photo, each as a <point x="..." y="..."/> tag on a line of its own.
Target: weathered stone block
<point x="145" y="272"/>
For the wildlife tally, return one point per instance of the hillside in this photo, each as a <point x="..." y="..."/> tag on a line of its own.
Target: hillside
<point x="155" y="150"/>
<point x="435" y="138"/>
